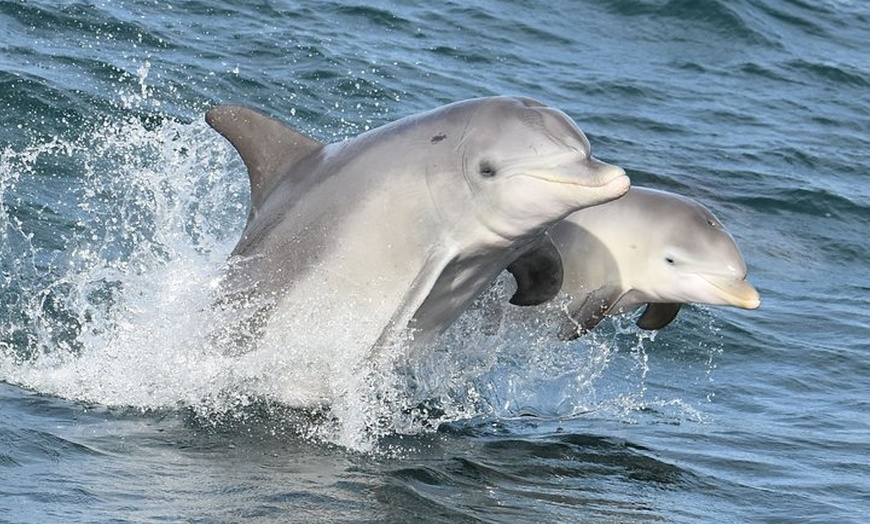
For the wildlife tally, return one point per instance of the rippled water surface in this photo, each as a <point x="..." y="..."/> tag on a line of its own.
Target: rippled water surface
<point x="118" y="207"/>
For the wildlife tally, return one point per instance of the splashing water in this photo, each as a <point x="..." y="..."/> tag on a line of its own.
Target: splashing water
<point x="111" y="247"/>
<point x="102" y="281"/>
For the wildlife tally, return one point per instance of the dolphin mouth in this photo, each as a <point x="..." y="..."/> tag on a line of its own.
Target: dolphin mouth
<point x="735" y="292"/>
<point x="609" y="189"/>
<point x="568" y="170"/>
<point x="619" y="180"/>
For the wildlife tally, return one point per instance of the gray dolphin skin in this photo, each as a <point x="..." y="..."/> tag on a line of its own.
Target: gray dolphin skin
<point x="650" y="248"/>
<point x="401" y="226"/>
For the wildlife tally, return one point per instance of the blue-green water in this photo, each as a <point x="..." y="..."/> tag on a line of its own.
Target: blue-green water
<point x="118" y="206"/>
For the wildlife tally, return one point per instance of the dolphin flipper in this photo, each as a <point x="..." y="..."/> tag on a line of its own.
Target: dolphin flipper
<point x="538" y="274"/>
<point x="658" y="315"/>
<point x="594" y="308"/>
<point x="267" y="146"/>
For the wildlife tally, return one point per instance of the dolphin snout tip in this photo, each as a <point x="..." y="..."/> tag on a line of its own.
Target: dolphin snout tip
<point x="623" y="183"/>
<point x="733" y="292"/>
<point x="754" y="303"/>
<point x="617" y="184"/>
<point x="614" y="177"/>
<point x="750" y="299"/>
<point x="609" y="171"/>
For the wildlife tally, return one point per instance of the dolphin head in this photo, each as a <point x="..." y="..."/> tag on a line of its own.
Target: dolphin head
<point x="529" y="165"/>
<point x="688" y="257"/>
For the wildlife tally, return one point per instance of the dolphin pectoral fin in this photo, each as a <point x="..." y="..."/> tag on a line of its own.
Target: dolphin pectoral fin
<point x="538" y="273"/>
<point x="658" y="315"/>
<point x="572" y="330"/>
<point x="594" y="308"/>
<point x="267" y="146"/>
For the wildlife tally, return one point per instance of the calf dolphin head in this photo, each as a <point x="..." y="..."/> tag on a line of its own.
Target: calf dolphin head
<point x="648" y="247"/>
<point x="687" y="257"/>
<point x="527" y="163"/>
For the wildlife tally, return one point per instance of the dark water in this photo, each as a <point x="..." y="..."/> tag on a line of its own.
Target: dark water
<point x="118" y="206"/>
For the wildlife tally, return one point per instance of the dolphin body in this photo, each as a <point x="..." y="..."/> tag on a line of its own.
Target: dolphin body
<point x="650" y="248"/>
<point x="402" y="226"/>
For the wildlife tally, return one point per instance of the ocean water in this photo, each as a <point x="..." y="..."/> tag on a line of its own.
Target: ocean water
<point x="118" y="206"/>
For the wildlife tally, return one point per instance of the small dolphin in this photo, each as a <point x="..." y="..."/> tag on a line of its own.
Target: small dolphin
<point x="402" y="226"/>
<point x="648" y="247"/>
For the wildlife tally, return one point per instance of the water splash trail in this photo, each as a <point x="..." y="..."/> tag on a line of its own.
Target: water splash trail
<point x="111" y="245"/>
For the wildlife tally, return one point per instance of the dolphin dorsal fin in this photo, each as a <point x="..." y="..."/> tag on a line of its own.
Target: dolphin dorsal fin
<point x="538" y="274"/>
<point x="267" y="146"/>
<point x="658" y="315"/>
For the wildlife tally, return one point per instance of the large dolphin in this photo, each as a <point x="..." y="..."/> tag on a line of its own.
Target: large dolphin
<point x="648" y="247"/>
<point x="405" y="224"/>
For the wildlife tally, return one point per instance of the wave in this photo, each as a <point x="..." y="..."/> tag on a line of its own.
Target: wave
<point x="561" y="473"/>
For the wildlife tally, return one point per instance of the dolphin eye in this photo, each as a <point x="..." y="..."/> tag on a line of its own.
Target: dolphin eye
<point x="487" y="170"/>
<point x="670" y="261"/>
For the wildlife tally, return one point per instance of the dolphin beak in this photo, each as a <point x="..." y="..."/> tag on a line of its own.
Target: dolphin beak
<point x="615" y="179"/>
<point x="735" y="292"/>
<point x="607" y="172"/>
<point x="603" y="174"/>
<point x="586" y="172"/>
<point x="609" y="182"/>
